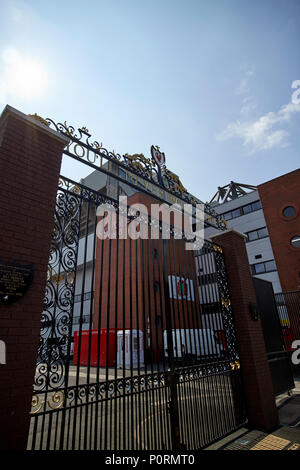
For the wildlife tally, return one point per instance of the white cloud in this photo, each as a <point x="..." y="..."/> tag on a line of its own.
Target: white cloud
<point x="248" y="105"/>
<point x="263" y="133"/>
<point x="243" y="87"/>
<point x="243" y="90"/>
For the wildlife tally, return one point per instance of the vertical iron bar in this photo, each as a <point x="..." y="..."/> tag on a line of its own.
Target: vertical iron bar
<point x="172" y="380"/>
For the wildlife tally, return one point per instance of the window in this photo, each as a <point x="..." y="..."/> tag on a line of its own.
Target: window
<point x="228" y="216"/>
<point x="295" y="241"/>
<point x="288" y="211"/>
<point x="263" y="232"/>
<point x="236" y="213"/>
<point x="265" y="267"/>
<point x="252" y="236"/>
<point x="247" y="209"/>
<point x="254" y="206"/>
<point x="257" y="234"/>
<point x="259" y="268"/>
<point x="270" y="266"/>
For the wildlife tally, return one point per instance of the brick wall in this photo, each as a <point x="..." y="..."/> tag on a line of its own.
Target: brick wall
<point x="275" y="195"/>
<point x="30" y="159"/>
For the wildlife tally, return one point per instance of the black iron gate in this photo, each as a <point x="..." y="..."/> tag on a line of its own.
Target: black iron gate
<point x="277" y="354"/>
<point x="138" y="346"/>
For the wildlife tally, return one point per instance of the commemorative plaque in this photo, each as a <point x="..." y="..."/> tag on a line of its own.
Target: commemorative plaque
<point x="15" y="280"/>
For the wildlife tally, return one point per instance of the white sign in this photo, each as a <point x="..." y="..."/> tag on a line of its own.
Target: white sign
<point x="181" y="288"/>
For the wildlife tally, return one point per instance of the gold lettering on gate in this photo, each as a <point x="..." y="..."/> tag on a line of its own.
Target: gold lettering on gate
<point x="144" y="183"/>
<point x="130" y="177"/>
<point x="88" y="157"/>
<point x="161" y="193"/>
<point x="82" y="148"/>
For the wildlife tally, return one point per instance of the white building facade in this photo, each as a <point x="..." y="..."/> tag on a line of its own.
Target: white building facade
<point x="243" y="212"/>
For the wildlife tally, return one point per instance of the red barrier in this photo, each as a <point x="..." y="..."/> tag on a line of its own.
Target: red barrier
<point x="93" y="353"/>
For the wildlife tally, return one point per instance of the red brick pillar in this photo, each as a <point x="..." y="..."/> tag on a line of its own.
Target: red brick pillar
<point x="30" y="160"/>
<point x="259" y="393"/>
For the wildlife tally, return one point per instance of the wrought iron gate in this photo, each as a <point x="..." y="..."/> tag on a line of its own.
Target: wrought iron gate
<point x="277" y="354"/>
<point x="138" y="346"/>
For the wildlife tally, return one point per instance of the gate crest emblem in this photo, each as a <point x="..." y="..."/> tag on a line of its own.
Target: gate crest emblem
<point x="158" y="157"/>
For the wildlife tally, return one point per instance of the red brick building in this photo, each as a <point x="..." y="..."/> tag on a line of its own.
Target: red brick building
<point x="131" y="291"/>
<point x="280" y="200"/>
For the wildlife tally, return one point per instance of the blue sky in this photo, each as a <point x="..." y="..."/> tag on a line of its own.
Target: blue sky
<point x="209" y="81"/>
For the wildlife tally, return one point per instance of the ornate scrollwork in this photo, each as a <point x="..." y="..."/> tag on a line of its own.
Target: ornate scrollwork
<point x="174" y="181"/>
<point x="55" y="401"/>
<point x="200" y="371"/>
<point x="85" y="131"/>
<point x="235" y="365"/>
<point x="137" y="164"/>
<point x="116" y="388"/>
<point x="36" y="404"/>
<point x="54" y="348"/>
<point x="217" y="248"/>
<point x="225" y="304"/>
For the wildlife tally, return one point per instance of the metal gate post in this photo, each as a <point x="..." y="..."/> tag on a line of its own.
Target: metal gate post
<point x="172" y="376"/>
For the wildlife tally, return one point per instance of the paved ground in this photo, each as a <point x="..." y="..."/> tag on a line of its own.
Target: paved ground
<point x="286" y="437"/>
